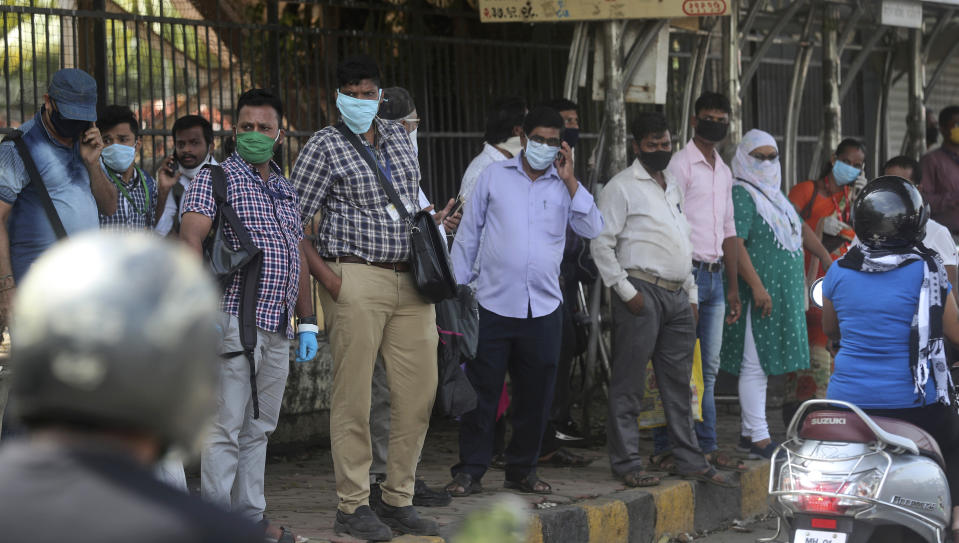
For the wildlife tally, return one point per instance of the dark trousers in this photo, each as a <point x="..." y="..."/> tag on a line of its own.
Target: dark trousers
<point x="665" y="332"/>
<point x="559" y="414"/>
<point x="529" y="350"/>
<point x="942" y="423"/>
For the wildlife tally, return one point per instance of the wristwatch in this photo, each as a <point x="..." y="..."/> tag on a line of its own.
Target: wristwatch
<point x="306" y="320"/>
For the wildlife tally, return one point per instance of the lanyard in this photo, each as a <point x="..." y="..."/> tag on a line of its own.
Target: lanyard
<point x="123" y="190"/>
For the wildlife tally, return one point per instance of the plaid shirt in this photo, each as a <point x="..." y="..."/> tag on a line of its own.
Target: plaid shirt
<point x="269" y="212"/>
<point x="135" y="213"/>
<point x="330" y="175"/>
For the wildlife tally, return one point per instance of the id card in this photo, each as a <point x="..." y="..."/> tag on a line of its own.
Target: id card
<point x="392" y="212"/>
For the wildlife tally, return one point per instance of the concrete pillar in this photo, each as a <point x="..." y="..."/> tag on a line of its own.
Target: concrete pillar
<point x="832" y="113"/>
<point x="731" y="74"/>
<point x="916" y="122"/>
<point x="615" y="98"/>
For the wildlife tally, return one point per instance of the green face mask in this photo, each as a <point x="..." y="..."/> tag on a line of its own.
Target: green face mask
<point x="255" y="147"/>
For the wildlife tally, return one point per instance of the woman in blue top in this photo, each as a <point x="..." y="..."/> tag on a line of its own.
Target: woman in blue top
<point x="886" y="305"/>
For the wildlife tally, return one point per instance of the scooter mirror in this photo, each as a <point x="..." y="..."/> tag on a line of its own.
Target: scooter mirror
<point x="815" y="292"/>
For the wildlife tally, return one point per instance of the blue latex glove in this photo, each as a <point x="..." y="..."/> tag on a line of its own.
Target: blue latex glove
<point x="307" y="348"/>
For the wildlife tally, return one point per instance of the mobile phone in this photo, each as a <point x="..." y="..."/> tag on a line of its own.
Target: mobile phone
<point x="460" y="202"/>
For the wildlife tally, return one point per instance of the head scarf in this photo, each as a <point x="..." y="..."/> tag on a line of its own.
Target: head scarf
<point x="762" y="179"/>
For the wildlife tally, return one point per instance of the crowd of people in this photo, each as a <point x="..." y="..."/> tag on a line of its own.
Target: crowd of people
<point x="692" y="249"/>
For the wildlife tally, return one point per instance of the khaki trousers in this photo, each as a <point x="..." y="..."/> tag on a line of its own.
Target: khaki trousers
<point x="379" y="310"/>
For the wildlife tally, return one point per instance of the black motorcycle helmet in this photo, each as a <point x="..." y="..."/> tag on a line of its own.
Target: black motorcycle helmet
<point x="889" y="214"/>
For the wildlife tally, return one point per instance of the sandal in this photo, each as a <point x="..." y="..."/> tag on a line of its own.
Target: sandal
<point x="640" y="478"/>
<point x="712" y="477"/>
<point x="722" y="460"/>
<point x="462" y="485"/>
<point x="766" y="452"/>
<point x="564" y="458"/>
<point x="530" y="484"/>
<point x="663" y="462"/>
<point x="284" y="535"/>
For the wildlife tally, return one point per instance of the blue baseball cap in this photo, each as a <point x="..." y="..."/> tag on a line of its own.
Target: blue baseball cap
<point x="75" y="94"/>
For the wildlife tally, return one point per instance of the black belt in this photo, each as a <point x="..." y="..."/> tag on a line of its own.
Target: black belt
<point x="350" y="259"/>
<point x="708" y="266"/>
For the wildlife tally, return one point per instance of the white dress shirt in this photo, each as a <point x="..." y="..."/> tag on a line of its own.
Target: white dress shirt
<point x="165" y="224"/>
<point x="487" y="156"/>
<point x="645" y="229"/>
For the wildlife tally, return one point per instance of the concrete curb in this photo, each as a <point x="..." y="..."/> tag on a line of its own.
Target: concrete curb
<point x="644" y="516"/>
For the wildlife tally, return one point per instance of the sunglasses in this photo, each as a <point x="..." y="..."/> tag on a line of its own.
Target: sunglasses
<point x="552" y="142"/>
<point x="770" y="157"/>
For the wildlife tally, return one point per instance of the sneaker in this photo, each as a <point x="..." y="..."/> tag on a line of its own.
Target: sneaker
<point x="405" y="520"/>
<point x="362" y="524"/>
<point x="744" y="445"/>
<point x="424" y="496"/>
<point x="569" y="433"/>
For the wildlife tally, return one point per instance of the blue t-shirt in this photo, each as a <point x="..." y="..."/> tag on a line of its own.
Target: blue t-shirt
<point x="68" y="183"/>
<point x="875" y="313"/>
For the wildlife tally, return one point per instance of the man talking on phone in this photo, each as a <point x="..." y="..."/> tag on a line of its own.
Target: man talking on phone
<point x="64" y="145"/>
<point x="193" y="144"/>
<point x="521" y="206"/>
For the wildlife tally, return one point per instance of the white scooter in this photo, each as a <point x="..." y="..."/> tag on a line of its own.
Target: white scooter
<point x="843" y="476"/>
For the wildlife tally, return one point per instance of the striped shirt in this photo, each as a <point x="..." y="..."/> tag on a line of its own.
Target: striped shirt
<point x="136" y="210"/>
<point x="269" y="211"/>
<point x="331" y="176"/>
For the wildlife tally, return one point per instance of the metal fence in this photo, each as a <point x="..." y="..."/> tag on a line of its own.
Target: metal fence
<point x="166" y="62"/>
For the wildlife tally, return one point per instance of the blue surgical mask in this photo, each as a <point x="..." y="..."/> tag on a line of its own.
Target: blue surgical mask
<point x="844" y="173"/>
<point x="358" y="114"/>
<point x="540" y="155"/>
<point x="118" y="157"/>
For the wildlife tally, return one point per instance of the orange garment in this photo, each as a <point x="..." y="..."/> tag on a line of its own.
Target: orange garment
<point x="812" y="383"/>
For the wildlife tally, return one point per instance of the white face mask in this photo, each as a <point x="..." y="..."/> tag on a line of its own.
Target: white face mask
<point x="416" y="147"/>
<point x="513" y="145"/>
<point x="190" y="173"/>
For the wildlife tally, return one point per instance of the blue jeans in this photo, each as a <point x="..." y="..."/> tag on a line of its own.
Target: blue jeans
<point x="709" y="331"/>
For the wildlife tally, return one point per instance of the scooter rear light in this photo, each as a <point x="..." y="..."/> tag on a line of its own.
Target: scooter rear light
<point x="815" y="503"/>
<point x="804" y="490"/>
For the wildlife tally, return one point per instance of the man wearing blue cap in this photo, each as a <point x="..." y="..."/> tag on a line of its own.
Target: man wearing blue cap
<point x="64" y="145"/>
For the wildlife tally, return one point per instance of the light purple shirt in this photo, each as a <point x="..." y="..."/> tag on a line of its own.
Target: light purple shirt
<point x="524" y="224"/>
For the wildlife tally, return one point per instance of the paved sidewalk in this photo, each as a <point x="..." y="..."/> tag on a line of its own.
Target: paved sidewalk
<point x="587" y="504"/>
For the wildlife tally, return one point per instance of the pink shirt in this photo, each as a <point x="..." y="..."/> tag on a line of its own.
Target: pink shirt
<point x="709" y="200"/>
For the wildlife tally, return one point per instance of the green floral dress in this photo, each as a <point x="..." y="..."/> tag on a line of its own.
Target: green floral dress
<point x="781" y="339"/>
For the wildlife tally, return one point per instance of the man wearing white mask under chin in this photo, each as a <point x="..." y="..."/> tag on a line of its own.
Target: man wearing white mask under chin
<point x="136" y="191"/>
<point x="193" y="149"/>
<point x="521" y="206"/>
<point x="370" y="302"/>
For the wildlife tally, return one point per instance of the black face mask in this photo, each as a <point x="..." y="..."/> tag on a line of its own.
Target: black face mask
<point x="67" y="128"/>
<point x="655" y="161"/>
<point x="711" y="130"/>
<point x="571" y="136"/>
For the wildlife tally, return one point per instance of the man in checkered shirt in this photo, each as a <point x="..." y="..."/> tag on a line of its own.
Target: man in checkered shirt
<point x="370" y="302"/>
<point x="234" y="458"/>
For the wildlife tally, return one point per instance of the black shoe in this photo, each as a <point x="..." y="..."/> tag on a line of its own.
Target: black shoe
<point x="405" y="520"/>
<point x="498" y="462"/>
<point x="424" y="496"/>
<point x="362" y="524"/>
<point x="569" y="433"/>
<point x="376" y="495"/>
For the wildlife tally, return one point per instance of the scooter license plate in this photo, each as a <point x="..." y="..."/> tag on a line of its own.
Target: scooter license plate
<point x="814" y="536"/>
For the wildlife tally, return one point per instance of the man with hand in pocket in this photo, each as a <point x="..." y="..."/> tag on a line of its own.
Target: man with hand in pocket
<point x="645" y="254"/>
